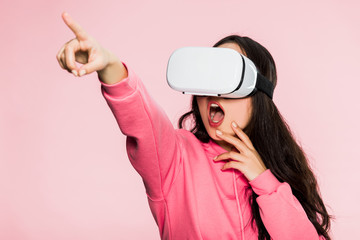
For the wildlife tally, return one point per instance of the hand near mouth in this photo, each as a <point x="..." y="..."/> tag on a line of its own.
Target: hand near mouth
<point x="247" y="160"/>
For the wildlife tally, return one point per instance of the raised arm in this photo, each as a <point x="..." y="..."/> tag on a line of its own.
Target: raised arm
<point x="152" y="142"/>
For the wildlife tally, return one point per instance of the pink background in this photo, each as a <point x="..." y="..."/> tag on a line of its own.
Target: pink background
<point x="64" y="172"/>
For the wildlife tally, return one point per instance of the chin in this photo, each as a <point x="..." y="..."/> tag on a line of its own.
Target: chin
<point x="212" y="133"/>
<point x="216" y="138"/>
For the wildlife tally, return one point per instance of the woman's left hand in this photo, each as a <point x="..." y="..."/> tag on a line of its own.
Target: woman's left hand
<point x="247" y="160"/>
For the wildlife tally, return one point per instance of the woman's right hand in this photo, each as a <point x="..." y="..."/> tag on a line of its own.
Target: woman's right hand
<point x="83" y="49"/>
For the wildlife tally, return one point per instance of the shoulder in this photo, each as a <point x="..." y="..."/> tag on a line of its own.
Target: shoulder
<point x="187" y="139"/>
<point x="187" y="135"/>
<point x="192" y="144"/>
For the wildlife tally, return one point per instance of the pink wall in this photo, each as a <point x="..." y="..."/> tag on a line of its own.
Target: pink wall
<point x="64" y="172"/>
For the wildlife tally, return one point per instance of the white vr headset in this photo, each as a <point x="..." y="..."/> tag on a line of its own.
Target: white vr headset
<point x="214" y="71"/>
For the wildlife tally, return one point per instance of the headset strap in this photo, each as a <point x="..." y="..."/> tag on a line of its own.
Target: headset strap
<point x="264" y="85"/>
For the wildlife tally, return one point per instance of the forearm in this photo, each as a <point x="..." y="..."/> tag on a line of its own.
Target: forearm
<point x="151" y="138"/>
<point x="114" y="72"/>
<point x="281" y="212"/>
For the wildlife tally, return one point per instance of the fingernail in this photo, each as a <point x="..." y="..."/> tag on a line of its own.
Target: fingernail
<point x="82" y="72"/>
<point x="218" y="132"/>
<point x="74" y="72"/>
<point x="234" y="124"/>
<point x="215" y="157"/>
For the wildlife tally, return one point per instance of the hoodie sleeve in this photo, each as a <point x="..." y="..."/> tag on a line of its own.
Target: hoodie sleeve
<point x="151" y="138"/>
<point x="281" y="212"/>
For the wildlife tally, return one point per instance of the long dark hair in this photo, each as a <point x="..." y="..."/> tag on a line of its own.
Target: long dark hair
<point x="274" y="141"/>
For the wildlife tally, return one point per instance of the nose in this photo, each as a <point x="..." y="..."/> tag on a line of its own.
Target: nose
<point x="214" y="98"/>
<point x="210" y="98"/>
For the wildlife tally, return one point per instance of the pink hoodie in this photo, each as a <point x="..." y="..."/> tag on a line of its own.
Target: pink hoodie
<point x="189" y="196"/>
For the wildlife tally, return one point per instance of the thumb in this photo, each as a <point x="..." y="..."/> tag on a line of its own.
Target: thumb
<point x="90" y="67"/>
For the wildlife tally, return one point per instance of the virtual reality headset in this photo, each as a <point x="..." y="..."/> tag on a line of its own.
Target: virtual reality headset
<point x="214" y="71"/>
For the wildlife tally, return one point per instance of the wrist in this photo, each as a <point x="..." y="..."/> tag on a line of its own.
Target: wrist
<point x="114" y="71"/>
<point x="112" y="58"/>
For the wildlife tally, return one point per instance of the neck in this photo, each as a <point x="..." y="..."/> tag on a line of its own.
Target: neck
<point x="225" y="145"/>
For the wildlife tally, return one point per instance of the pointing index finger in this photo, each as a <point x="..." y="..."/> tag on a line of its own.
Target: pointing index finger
<point x="74" y="26"/>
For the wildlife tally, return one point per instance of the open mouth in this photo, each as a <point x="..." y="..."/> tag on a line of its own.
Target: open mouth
<point x="216" y="114"/>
